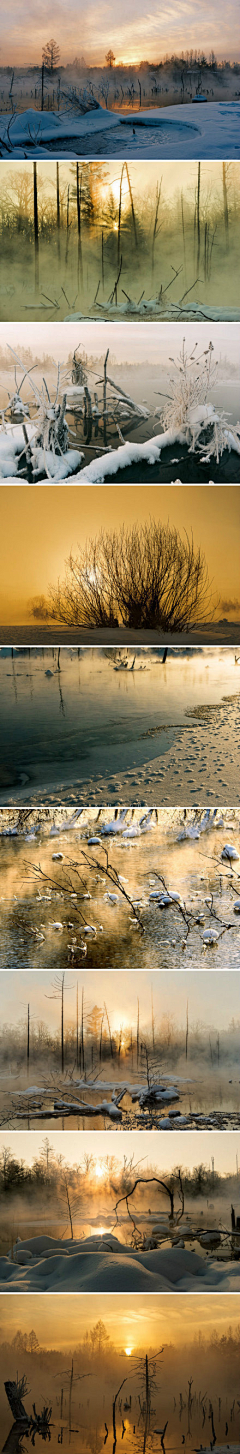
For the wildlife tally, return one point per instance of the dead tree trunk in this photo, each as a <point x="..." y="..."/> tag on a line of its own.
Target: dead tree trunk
<point x="14" y="1391"/>
<point x="67" y="224"/>
<point x="82" y="1036"/>
<point x="28" y="1037"/>
<point x="70" y="1399"/>
<point x="58" y="208"/>
<point x="77" y="1044"/>
<point x="120" y="215"/>
<point x="88" y="415"/>
<point x="183" y="237"/>
<point x="186" y="1041"/>
<point x="79" y="218"/>
<point x="36" y="227"/>
<point x="198" y="216"/>
<point x="105" y="399"/>
<point x="147" y="1402"/>
<point x="62" y="1024"/>
<point x="114" y="1410"/>
<point x="225" y="204"/>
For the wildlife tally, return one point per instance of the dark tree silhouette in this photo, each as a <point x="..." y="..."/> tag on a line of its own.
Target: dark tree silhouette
<point x="144" y="577"/>
<point x="51" y="56"/>
<point x="110" y="58"/>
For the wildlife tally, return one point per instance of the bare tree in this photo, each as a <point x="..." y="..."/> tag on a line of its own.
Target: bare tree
<point x="143" y="577"/>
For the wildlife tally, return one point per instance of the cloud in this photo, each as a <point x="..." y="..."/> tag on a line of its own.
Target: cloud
<point x="133" y="31"/>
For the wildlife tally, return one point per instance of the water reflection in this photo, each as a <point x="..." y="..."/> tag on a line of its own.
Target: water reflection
<point x="112" y="882"/>
<point x="74" y="719"/>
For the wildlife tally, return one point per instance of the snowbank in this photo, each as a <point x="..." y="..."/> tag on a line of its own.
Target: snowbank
<point x="59" y="467"/>
<point x="103" y="1264"/>
<point x="197" y="132"/>
<point x="31" y="128"/>
<point x="127" y="454"/>
<point x="152" y="309"/>
<point x="132" y="453"/>
<point x="12" y="445"/>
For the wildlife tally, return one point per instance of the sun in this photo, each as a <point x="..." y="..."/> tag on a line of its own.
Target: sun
<point x="128" y="1351"/>
<point x="99" y="1170"/>
<point x="98" y="1231"/>
<point x="112" y="188"/>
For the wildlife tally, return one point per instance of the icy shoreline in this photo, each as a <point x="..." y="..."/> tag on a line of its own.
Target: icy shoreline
<point x="170" y="132"/>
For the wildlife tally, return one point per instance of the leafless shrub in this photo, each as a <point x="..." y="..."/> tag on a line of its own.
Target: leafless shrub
<point x="144" y="577"/>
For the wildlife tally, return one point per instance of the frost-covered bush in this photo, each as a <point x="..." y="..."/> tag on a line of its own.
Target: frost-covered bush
<point x="189" y="408"/>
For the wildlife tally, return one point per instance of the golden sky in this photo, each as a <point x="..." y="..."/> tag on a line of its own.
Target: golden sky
<point x="133" y="32"/>
<point x="131" y="1320"/>
<point x="41" y="524"/>
<point x="149" y="1150"/>
<point x="176" y="176"/>
<point x="121" y="991"/>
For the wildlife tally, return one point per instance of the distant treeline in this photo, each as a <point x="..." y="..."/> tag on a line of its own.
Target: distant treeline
<point x="92" y="1041"/>
<point x="185" y="59"/>
<point x="213" y="1355"/>
<point x="45" y="1175"/>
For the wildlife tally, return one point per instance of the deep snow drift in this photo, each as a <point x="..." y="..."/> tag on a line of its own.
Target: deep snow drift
<point x="172" y="132"/>
<point x="103" y="1264"/>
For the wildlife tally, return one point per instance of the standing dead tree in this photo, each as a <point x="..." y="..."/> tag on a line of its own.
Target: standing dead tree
<point x="116" y="1396"/>
<point x="156" y="225"/>
<point x="58" y="994"/>
<point x="145" y="1369"/>
<point x="36" y="224"/>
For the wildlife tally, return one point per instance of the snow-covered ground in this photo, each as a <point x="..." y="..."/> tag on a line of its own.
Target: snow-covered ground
<point x="128" y="454"/>
<point x="132" y="453"/>
<point x="104" y="1264"/>
<point x="175" y="739"/>
<point x="45" y="461"/>
<point x="151" y="310"/>
<point x="191" y="132"/>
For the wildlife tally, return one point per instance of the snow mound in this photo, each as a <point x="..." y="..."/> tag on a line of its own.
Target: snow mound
<point x="103" y="1264"/>
<point x="31" y="127"/>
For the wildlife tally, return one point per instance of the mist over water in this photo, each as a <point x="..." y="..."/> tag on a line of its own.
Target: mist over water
<point x="177" y="1392"/>
<point x="83" y="717"/>
<point x="155" y="238"/>
<point x="193" y="868"/>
